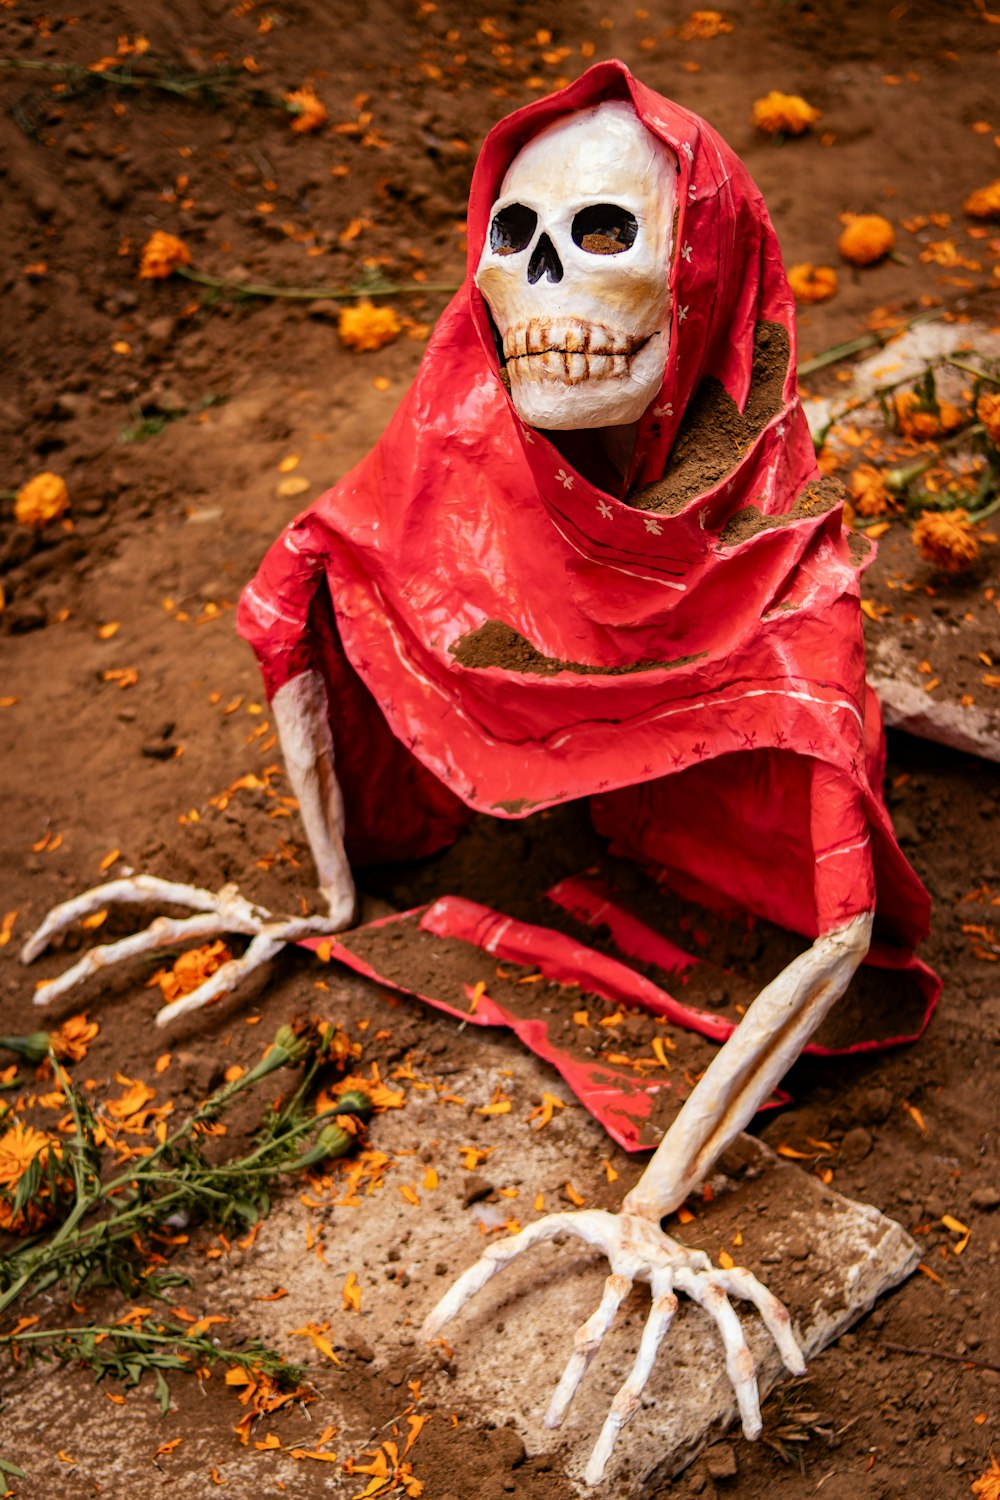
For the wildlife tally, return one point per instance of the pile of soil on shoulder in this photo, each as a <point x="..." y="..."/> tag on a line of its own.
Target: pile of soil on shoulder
<point x="815" y="500"/>
<point x="714" y="432"/>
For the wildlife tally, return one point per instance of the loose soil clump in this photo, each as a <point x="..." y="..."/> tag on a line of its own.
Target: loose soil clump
<point x="495" y="644"/>
<point x="815" y="500"/>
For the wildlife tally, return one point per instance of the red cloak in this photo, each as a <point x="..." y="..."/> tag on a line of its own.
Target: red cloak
<point x="722" y="725"/>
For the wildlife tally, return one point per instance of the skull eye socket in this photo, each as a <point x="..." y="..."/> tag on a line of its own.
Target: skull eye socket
<point x="604" y="229"/>
<point x="512" y="229"/>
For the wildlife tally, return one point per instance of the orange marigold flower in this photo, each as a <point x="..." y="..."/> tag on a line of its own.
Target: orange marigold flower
<point x="74" y="1036"/>
<point x="922" y="423"/>
<point x="811" y="283"/>
<point x="984" y="203"/>
<point x="868" y="492"/>
<point x="44" y="498"/>
<point x="783" y="114"/>
<point x="866" y="238"/>
<point x="703" y="25"/>
<point x="309" y="111"/>
<point x="987" y="1486"/>
<point x="988" y="412"/>
<point x="946" y="539"/>
<point x="365" y="326"/>
<point x="19" y="1147"/>
<point x="191" y="970"/>
<point x="161" y="255"/>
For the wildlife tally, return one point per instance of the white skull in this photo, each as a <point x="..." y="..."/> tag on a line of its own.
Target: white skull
<point x="575" y="269"/>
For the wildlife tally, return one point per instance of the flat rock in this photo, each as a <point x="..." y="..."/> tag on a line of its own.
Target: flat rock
<point x="507" y="1349"/>
<point x="902" y="693"/>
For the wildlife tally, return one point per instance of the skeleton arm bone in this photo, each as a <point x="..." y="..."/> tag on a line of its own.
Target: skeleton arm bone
<point x="301" y="715"/>
<point x="300" y="711"/>
<point x="752" y="1062"/>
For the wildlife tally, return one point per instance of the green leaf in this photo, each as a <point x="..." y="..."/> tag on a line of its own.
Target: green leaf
<point x="34" y="1048"/>
<point x="246" y="1210"/>
<point x="7" y="1467"/>
<point x="163" y="1393"/>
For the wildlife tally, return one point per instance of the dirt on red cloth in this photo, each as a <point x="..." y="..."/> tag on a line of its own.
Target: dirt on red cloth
<point x="131" y="717"/>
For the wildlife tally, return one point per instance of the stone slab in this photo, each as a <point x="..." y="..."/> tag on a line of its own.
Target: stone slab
<point x="828" y="1257"/>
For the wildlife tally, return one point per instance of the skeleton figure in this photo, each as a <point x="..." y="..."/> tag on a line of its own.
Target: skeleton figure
<point x="584" y="237"/>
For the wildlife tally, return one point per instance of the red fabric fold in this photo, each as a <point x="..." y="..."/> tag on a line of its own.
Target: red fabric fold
<point x="590" y="901"/>
<point x="620" y="1101"/>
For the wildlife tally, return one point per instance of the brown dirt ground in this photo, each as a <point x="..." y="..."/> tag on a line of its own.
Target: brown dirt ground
<point x="165" y="531"/>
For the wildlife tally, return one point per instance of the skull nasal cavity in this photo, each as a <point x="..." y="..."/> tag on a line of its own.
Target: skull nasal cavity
<point x="544" y="262"/>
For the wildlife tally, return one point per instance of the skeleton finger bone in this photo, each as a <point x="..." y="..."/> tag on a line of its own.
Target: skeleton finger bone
<point x="224" y="980"/>
<point x="269" y="941"/>
<point x="637" y="1251"/>
<point x="740" y="1367"/>
<point x="626" y="1400"/>
<point x="227" y="903"/>
<point x="163" y="933"/>
<point x="500" y="1254"/>
<point x="739" y="1282"/>
<point x="223" y="911"/>
<point x="587" y="1342"/>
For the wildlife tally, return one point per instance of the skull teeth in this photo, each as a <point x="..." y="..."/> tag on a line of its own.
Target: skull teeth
<point x="568" y="351"/>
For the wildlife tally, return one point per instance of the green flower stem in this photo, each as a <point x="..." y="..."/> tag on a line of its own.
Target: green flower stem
<point x="172" y="1334"/>
<point x="34" y="1048"/>
<point x="188" y="1183"/>
<point x="184" y="86"/>
<point x="126" y="1351"/>
<point x="898" y="480"/>
<point x="975" y="516"/>
<point x="970" y="370"/>
<point x="314" y="293"/>
<point x="865" y="341"/>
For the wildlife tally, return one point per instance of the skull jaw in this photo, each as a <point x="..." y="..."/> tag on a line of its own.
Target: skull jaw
<point x="564" y="393"/>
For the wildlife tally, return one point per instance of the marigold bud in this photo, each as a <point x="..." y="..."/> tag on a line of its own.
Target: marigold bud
<point x="44" y="498"/>
<point x="946" y="539"/>
<point x="811" y="283"/>
<point x="783" y="114"/>
<point x="366" y="327"/>
<point x="984" y="203"/>
<point x="161" y="255"/>
<point x="988" y="412"/>
<point x="309" y="111"/>
<point x="866" y="238"/>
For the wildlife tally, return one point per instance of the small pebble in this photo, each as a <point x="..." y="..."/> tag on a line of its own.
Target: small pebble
<point x="474" y="1188"/>
<point x="720" y="1461"/>
<point x="856" y="1145"/>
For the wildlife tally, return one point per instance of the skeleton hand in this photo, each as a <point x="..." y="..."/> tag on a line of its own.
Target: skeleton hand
<point x="638" y="1251"/>
<point x="742" y="1074"/>
<point x="300" y="712"/>
<point x="224" y="911"/>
